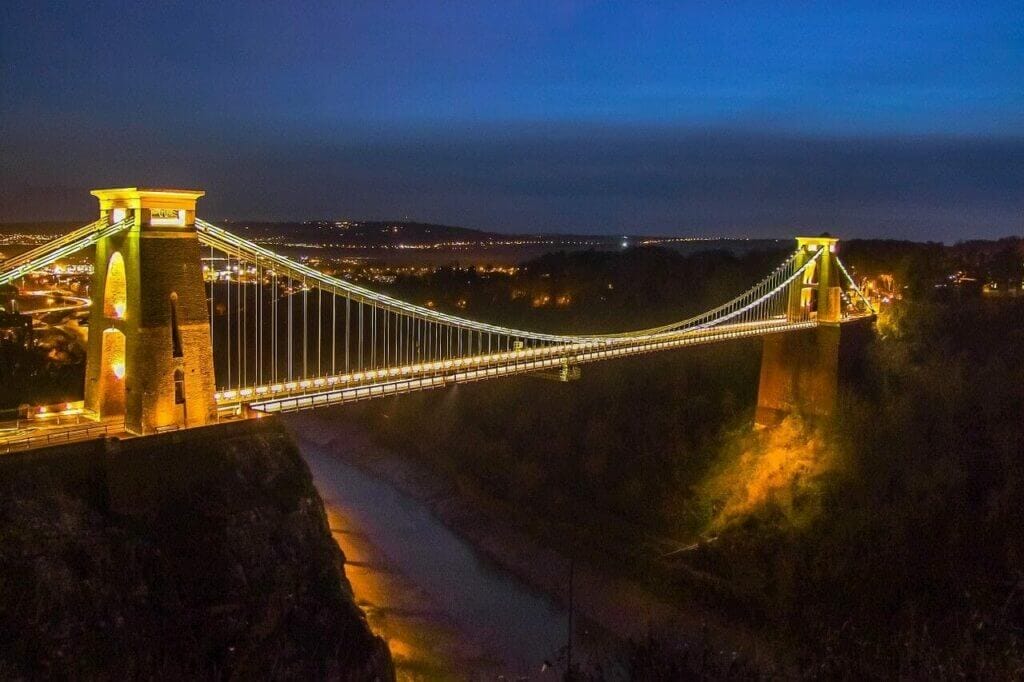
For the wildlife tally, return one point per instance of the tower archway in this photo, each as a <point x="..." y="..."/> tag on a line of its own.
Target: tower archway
<point x="115" y="291"/>
<point x="113" y="359"/>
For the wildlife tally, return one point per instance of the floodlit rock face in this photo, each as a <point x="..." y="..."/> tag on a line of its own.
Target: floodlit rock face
<point x="197" y="554"/>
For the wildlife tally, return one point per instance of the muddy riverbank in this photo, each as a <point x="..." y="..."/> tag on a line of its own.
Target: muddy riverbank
<point x="608" y="603"/>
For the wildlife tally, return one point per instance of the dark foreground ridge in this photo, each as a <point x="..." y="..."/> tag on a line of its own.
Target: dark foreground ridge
<point x="193" y="554"/>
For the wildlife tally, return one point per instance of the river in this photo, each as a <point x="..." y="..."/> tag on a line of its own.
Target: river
<point x="445" y="611"/>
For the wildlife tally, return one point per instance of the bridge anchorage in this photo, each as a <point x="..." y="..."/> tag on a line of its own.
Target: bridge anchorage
<point x="191" y="324"/>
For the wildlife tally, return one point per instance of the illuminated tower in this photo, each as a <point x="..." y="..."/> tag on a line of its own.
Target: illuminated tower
<point x="800" y="369"/>
<point x="150" y="356"/>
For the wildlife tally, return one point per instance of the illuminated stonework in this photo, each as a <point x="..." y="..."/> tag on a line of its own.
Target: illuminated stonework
<point x="816" y="293"/>
<point x="153" y="363"/>
<point x="800" y="370"/>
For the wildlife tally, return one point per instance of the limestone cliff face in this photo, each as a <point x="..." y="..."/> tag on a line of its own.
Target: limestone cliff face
<point x="197" y="554"/>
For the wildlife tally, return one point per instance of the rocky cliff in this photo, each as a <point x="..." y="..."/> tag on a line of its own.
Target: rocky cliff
<point x="196" y="554"/>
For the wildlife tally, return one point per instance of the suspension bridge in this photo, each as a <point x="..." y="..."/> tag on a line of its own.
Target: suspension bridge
<point x="190" y="324"/>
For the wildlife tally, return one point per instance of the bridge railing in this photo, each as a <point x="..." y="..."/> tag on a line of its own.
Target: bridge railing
<point x="60" y="436"/>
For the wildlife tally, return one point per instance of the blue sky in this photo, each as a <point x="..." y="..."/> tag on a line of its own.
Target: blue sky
<point x="881" y="119"/>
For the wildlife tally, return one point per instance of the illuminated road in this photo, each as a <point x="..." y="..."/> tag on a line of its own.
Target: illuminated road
<point x="58" y="302"/>
<point x="56" y="428"/>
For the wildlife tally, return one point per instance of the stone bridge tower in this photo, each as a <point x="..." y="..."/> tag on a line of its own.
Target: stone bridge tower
<point x="150" y="356"/>
<point x="800" y="370"/>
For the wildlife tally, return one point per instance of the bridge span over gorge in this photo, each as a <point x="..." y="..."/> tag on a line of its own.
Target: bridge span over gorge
<point x="190" y="324"/>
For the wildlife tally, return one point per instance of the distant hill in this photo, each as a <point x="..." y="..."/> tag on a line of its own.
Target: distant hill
<point x="375" y="233"/>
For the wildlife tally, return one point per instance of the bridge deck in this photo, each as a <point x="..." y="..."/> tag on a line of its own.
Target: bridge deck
<point x="291" y="396"/>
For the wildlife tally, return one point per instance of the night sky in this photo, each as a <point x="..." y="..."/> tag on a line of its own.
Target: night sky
<point x="725" y="118"/>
